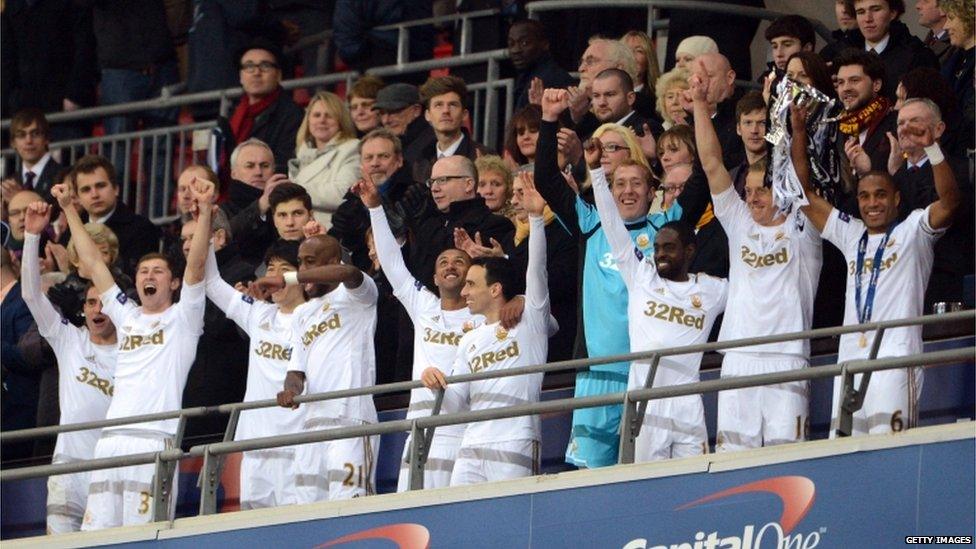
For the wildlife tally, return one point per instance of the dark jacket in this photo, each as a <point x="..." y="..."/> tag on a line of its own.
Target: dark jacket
<point x="137" y="236"/>
<point x="546" y="68"/>
<point x="434" y="233"/>
<point x="417" y="137"/>
<point x="562" y="261"/>
<point x="424" y="155"/>
<point x="219" y="371"/>
<point x="646" y="104"/>
<point x="903" y="53"/>
<point x="954" y="257"/>
<point x="361" y="46"/>
<point x="252" y="234"/>
<point x="51" y="51"/>
<point x="44" y="180"/>
<point x="131" y="34"/>
<point x="637" y="121"/>
<point x="840" y="40"/>
<point x="958" y="71"/>
<point x="351" y="219"/>
<point x="941" y="47"/>
<point x="277" y="126"/>
<point x="733" y="152"/>
<point x="20" y="382"/>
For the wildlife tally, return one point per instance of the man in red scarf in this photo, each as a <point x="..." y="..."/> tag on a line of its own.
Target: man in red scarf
<point x="868" y="116"/>
<point x="265" y="111"/>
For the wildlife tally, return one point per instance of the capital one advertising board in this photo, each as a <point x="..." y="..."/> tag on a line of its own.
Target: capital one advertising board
<point x="863" y="499"/>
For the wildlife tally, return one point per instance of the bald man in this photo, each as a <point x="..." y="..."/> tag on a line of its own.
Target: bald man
<point x="721" y="98"/>
<point x="452" y="189"/>
<point x="332" y="350"/>
<point x="16" y="214"/>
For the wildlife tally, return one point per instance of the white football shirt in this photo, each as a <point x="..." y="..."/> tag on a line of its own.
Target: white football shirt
<point x="436" y="332"/>
<point x="773" y="276"/>
<point x="900" y="293"/>
<point x="269" y="352"/>
<point x="155" y="354"/>
<point x="332" y="343"/>
<point x="663" y="313"/>
<point x="86" y="371"/>
<point x="491" y="347"/>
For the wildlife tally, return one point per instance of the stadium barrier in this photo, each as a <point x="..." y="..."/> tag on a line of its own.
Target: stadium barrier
<point x="422" y="429"/>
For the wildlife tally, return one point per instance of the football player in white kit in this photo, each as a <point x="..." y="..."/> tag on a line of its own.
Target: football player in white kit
<point x="332" y="349"/>
<point x="667" y="307"/>
<point x="267" y="478"/>
<point x="156" y="349"/>
<point x="774" y="267"/>
<point x="889" y="263"/>
<point x="439" y="323"/>
<point x="86" y="373"/>
<point x="502" y="448"/>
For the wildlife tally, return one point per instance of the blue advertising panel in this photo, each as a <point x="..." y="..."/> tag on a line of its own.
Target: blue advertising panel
<point x="864" y="499"/>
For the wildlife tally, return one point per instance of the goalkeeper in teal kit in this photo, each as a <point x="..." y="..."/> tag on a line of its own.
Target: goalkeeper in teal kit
<point x="596" y="431"/>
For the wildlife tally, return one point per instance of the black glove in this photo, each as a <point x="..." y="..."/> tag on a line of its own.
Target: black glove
<point x="348" y="222"/>
<point x="413" y="205"/>
<point x="69" y="301"/>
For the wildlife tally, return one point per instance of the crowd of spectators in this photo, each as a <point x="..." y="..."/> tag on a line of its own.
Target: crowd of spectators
<point x="285" y="172"/>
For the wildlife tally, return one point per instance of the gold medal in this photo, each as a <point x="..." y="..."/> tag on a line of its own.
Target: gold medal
<point x="862" y="341"/>
<point x="696" y="301"/>
<point x="643" y="240"/>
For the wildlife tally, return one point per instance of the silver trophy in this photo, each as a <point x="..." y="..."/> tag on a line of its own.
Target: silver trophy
<point x="787" y="190"/>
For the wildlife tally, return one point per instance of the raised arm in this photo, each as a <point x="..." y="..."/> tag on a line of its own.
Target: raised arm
<point x="387" y="250"/>
<point x="942" y="210"/>
<point x="45" y="315"/>
<point x="709" y="148"/>
<point x="548" y="178"/>
<point x="196" y="260"/>
<point x="88" y="253"/>
<point x="817" y="209"/>
<point x="536" y="277"/>
<point x="613" y="225"/>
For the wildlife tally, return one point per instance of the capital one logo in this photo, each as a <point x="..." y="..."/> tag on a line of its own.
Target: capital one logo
<point x="796" y="493"/>
<point x="405" y="536"/>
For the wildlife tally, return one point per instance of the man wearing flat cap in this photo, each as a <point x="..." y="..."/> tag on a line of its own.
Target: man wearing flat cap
<point x="400" y="109"/>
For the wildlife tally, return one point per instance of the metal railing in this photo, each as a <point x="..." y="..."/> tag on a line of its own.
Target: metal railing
<point x="403" y="30"/>
<point x="421" y="429"/>
<point x="535" y="8"/>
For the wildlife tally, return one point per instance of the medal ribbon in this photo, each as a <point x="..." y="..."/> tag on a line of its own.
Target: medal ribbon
<point x="864" y="312"/>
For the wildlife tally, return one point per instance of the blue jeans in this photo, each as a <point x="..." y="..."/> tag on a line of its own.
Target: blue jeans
<point x="123" y="86"/>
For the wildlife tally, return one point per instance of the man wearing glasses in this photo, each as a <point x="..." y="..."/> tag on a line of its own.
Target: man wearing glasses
<point x="265" y="111"/>
<point x="452" y="185"/>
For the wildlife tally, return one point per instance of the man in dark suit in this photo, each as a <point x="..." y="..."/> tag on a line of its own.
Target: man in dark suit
<point x="445" y="108"/>
<point x="613" y="99"/>
<point x="94" y="180"/>
<point x="868" y="115"/>
<point x="913" y="175"/>
<point x="931" y="16"/>
<point x="721" y="103"/>
<point x="885" y="35"/>
<point x="20" y="385"/>
<point x="29" y="133"/>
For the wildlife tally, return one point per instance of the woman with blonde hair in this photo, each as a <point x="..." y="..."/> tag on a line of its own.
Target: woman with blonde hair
<point x="648" y="71"/>
<point x="495" y="184"/>
<point x="669" y="91"/>
<point x="327" y="155"/>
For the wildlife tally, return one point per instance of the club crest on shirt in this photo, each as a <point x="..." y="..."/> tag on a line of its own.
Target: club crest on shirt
<point x="643" y="240"/>
<point x="501" y="333"/>
<point x="891" y="242"/>
<point x="326" y="306"/>
<point x="659" y="291"/>
<point x="779" y="236"/>
<point x="266" y="326"/>
<point x="696" y="301"/>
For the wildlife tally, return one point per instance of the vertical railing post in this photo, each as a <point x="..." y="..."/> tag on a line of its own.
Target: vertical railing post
<point x="491" y="103"/>
<point x="629" y="428"/>
<point x="403" y="45"/>
<point x="416" y="467"/>
<point x="846" y="404"/>
<point x="213" y="467"/>
<point x="465" y="36"/>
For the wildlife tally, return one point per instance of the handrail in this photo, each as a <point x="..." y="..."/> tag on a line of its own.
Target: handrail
<point x="36" y="432"/>
<point x="561" y="405"/>
<point x="714" y="7"/>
